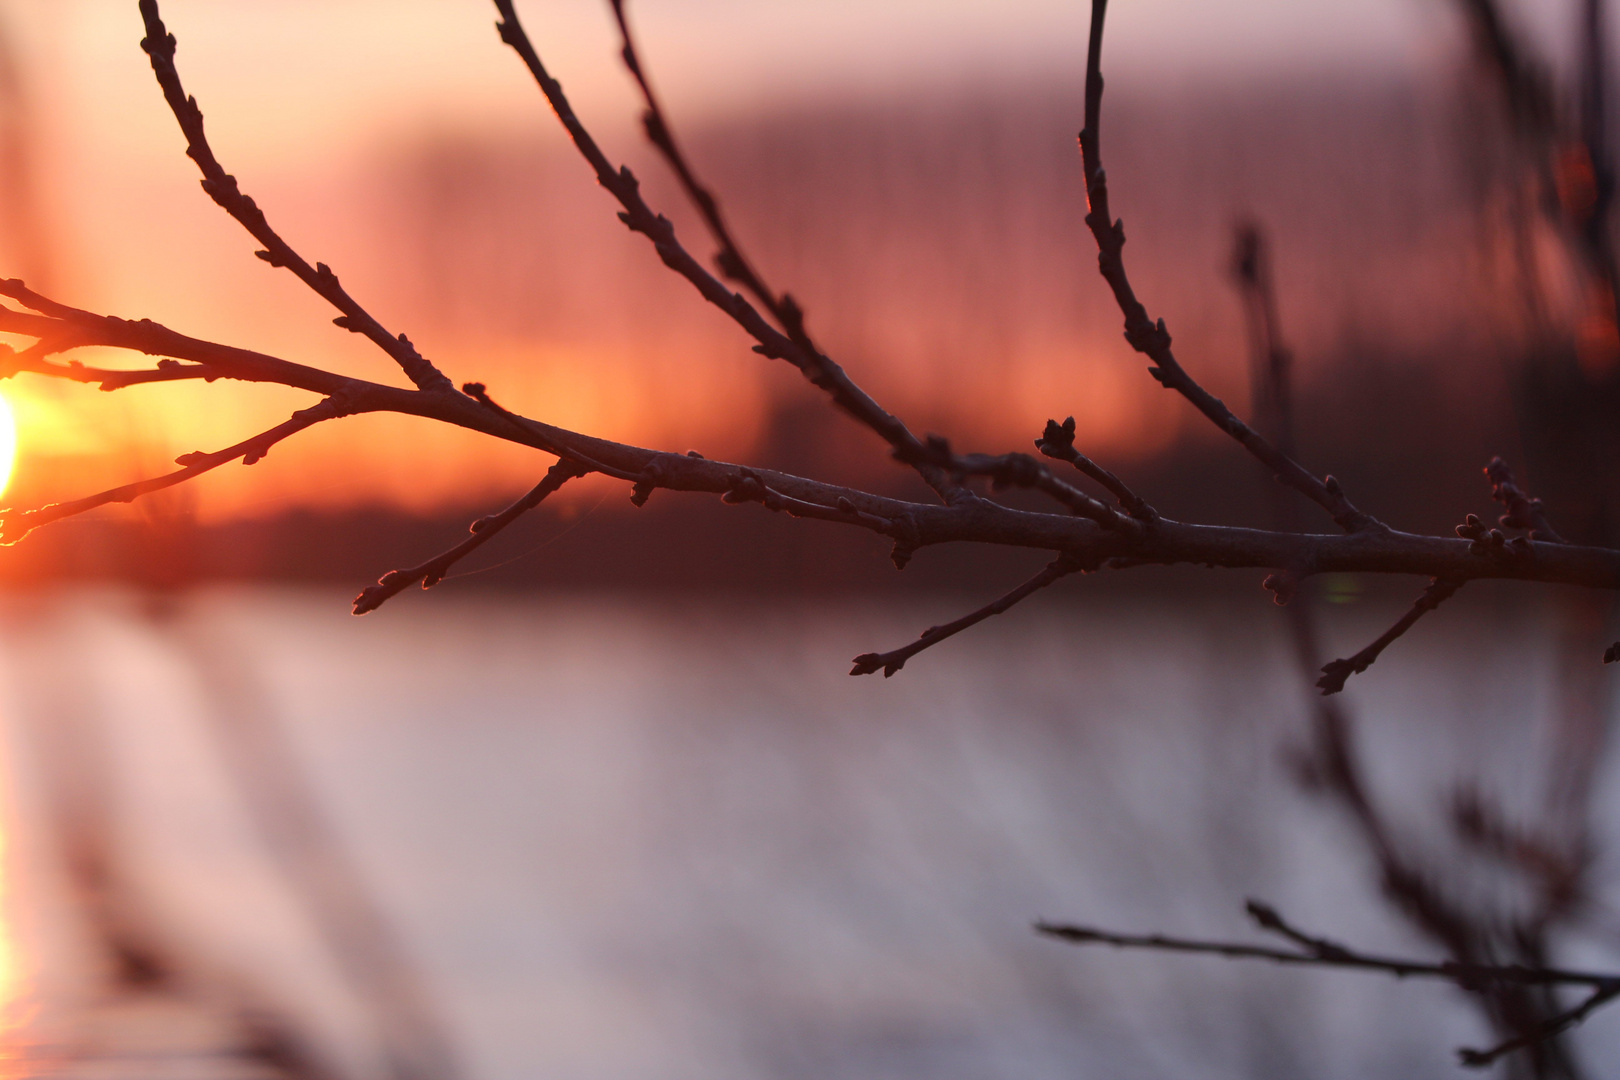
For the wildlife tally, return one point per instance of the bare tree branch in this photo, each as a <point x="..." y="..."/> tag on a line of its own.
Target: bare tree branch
<point x="821" y="370"/>
<point x="432" y="572"/>
<point x="61" y="328"/>
<point x="33" y="360"/>
<point x="14" y="525"/>
<point x="1335" y="672"/>
<point x="1022" y="471"/>
<point x="891" y="662"/>
<point x="1097" y="535"/>
<point x="1550" y="1029"/>
<point x="159" y="44"/>
<point x="1317" y="952"/>
<point x="730" y="260"/>
<point x="1165" y="542"/>
<point x="1057" y="441"/>
<point x="1152" y="339"/>
<point x="1332" y="767"/>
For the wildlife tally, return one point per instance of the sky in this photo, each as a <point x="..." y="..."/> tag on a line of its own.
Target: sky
<point x="301" y="95"/>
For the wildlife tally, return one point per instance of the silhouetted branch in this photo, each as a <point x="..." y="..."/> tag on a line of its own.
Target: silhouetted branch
<point x="1335" y="672"/>
<point x="1317" y="952"/>
<point x="159" y="44"/>
<point x="432" y="572"/>
<point x="1164" y="541"/>
<point x="1332" y="767"/>
<point x="622" y="184"/>
<point x="1096" y="536"/>
<point x="33" y="360"/>
<point x="1022" y="471"/>
<point x="891" y="662"/>
<point x="1549" y="1029"/>
<point x="14" y="525"/>
<point x="1152" y="339"/>
<point x="1057" y="441"/>
<point x="730" y="260"/>
<point x="61" y="328"/>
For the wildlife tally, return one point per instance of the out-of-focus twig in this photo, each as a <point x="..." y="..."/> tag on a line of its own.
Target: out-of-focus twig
<point x="1521" y="1014"/>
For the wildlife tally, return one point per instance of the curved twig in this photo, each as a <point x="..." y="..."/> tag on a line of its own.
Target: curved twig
<point x="1152" y="339"/>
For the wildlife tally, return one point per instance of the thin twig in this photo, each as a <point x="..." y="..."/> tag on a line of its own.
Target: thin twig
<point x="1152" y="339"/>
<point x="1335" y="672"/>
<point x="1057" y="441"/>
<point x="60" y="328"/>
<point x="1314" y="952"/>
<point x="432" y="572"/>
<point x="159" y="44"/>
<point x="732" y="263"/>
<point x="33" y="360"/>
<point x="891" y="662"/>
<point x="14" y="525"/>
<point x="1022" y="471"/>
<point x="1549" y="1029"/>
<point x="1097" y="536"/>
<point x="816" y="366"/>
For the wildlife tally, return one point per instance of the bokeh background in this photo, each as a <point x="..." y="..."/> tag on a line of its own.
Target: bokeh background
<point x="604" y="804"/>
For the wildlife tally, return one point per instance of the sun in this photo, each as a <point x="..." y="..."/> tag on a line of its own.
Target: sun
<point x="8" y="442"/>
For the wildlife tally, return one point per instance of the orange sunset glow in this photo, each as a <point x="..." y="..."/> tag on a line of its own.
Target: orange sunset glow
<point x="410" y="153"/>
<point x="997" y="527"/>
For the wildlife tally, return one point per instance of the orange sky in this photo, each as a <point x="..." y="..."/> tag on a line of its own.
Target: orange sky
<point x="304" y="97"/>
